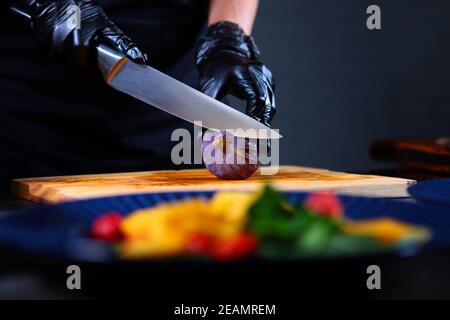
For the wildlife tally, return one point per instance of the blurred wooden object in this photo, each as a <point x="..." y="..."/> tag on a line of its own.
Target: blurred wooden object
<point x="58" y="189"/>
<point x="422" y="158"/>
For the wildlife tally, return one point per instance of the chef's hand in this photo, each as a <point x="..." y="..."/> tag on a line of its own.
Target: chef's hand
<point x="58" y="28"/>
<point x="228" y="62"/>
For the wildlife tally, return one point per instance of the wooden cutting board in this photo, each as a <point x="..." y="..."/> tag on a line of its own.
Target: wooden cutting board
<point x="59" y="189"/>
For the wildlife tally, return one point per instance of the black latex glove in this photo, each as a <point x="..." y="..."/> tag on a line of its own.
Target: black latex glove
<point x="228" y="62"/>
<point x="52" y="23"/>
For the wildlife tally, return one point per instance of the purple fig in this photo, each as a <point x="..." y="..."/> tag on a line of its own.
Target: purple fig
<point x="229" y="157"/>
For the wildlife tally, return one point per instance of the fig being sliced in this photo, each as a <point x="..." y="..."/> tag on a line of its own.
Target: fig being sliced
<point x="229" y="157"/>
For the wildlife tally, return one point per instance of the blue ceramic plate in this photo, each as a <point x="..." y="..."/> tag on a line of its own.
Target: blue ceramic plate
<point x="435" y="191"/>
<point x="61" y="230"/>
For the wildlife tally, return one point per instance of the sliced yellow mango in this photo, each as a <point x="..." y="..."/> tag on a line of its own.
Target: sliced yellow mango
<point x="164" y="230"/>
<point x="385" y="230"/>
<point x="150" y="249"/>
<point x="232" y="206"/>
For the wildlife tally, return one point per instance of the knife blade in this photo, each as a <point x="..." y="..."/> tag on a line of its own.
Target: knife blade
<point x="172" y="96"/>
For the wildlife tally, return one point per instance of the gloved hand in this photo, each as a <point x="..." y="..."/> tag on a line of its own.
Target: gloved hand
<point x="228" y="62"/>
<point x="55" y="26"/>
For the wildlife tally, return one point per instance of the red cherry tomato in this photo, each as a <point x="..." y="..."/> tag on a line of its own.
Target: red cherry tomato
<point x="107" y="227"/>
<point x="325" y="203"/>
<point x="234" y="247"/>
<point x="199" y="243"/>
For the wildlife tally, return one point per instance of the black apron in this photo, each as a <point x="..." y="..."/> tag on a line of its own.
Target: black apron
<point x="56" y="119"/>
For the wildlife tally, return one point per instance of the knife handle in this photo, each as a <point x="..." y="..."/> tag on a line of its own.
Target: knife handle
<point x="109" y="60"/>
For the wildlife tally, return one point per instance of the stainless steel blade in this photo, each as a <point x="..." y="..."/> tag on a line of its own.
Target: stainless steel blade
<point x="170" y="95"/>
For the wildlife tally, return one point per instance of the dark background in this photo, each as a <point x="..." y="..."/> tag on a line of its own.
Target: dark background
<point x="340" y="86"/>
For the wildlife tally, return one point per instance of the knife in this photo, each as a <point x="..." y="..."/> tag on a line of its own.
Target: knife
<point x="172" y="96"/>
